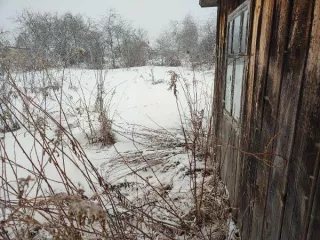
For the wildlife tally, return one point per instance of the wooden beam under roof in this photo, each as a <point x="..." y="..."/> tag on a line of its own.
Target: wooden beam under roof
<point x="209" y="3"/>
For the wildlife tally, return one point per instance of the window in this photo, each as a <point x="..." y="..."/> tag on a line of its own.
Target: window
<point x="236" y="59"/>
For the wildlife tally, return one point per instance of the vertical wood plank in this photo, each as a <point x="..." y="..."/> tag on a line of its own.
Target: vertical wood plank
<point x="261" y="118"/>
<point x="224" y="134"/>
<point x="305" y="157"/>
<point x="294" y="66"/>
<point x="278" y="43"/>
<point x="312" y="228"/>
<point x="219" y="82"/>
<point x="248" y="164"/>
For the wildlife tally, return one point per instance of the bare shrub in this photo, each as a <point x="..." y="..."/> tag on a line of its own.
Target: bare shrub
<point x="42" y="200"/>
<point x="196" y="120"/>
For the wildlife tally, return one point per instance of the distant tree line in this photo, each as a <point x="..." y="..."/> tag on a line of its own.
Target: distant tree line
<point x="68" y="39"/>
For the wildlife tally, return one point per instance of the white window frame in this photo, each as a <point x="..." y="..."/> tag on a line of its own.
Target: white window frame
<point x="232" y="57"/>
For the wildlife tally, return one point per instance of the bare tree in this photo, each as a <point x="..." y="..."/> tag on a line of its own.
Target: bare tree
<point x="126" y="45"/>
<point x="111" y="24"/>
<point x="71" y="40"/>
<point x="207" y="43"/>
<point x="189" y="37"/>
<point x="168" y="45"/>
<point x="184" y="42"/>
<point x="135" y="48"/>
<point x="167" y="49"/>
<point x="61" y="39"/>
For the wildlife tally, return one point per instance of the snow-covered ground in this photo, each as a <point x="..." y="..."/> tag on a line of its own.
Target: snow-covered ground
<point x="149" y="152"/>
<point x="138" y="107"/>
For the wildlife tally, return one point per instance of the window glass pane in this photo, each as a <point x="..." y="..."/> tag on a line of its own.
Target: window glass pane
<point x="244" y="32"/>
<point x="236" y="34"/>
<point x="239" y="67"/>
<point x="228" y="92"/>
<point x="230" y="36"/>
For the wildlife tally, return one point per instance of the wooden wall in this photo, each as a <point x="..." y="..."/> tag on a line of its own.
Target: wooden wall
<point x="271" y="161"/>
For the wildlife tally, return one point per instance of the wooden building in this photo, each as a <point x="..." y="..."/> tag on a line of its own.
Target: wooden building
<point x="267" y="115"/>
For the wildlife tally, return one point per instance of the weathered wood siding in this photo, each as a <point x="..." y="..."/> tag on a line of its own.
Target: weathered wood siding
<point x="270" y="161"/>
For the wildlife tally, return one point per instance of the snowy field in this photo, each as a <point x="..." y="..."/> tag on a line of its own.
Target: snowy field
<point x="149" y="151"/>
<point x="139" y="108"/>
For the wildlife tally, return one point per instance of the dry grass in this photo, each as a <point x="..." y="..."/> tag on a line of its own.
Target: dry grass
<point x="33" y="209"/>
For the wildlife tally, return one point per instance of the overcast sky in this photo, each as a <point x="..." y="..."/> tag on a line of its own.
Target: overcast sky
<point x="152" y="15"/>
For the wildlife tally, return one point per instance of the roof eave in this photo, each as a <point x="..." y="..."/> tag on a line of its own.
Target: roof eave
<point x="209" y="3"/>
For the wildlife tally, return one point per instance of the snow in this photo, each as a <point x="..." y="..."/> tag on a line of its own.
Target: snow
<point x="233" y="231"/>
<point x="145" y="120"/>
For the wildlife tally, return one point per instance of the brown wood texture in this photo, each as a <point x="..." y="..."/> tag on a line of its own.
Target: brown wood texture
<point x="246" y="192"/>
<point x="289" y="108"/>
<point x="304" y="163"/>
<point x="273" y="87"/>
<point x="208" y="3"/>
<point x="312" y="227"/>
<point x="262" y="132"/>
<point x="278" y="195"/>
<point x="226" y="137"/>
